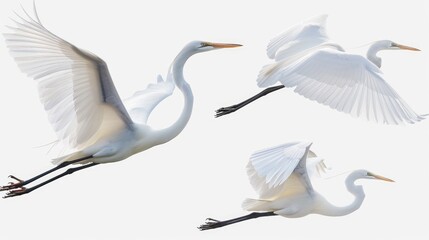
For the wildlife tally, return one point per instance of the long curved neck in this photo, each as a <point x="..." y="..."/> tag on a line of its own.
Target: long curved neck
<point x="356" y="190"/>
<point x="371" y="54"/>
<point x="176" y="70"/>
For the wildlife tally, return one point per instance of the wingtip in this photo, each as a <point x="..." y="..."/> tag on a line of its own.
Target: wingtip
<point x="159" y="78"/>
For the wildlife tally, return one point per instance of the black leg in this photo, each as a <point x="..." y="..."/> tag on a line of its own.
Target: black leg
<point x="23" y="190"/>
<point x="20" y="183"/>
<point x="233" y="108"/>
<point x="213" y="223"/>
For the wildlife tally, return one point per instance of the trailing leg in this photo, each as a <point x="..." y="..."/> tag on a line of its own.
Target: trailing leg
<point x="22" y="190"/>
<point x="233" y="108"/>
<point x="213" y="223"/>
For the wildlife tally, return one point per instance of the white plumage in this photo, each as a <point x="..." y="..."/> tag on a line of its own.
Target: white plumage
<point x="90" y="119"/>
<point x="298" y="38"/>
<point x="141" y="104"/>
<point x="70" y="83"/>
<point x="306" y="60"/>
<point x="280" y="172"/>
<point x="320" y="70"/>
<point x="283" y="176"/>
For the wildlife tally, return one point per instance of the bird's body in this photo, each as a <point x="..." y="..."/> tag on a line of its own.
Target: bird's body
<point x="301" y="205"/>
<point x="283" y="177"/>
<point x="91" y="121"/>
<point x="139" y="136"/>
<point x="120" y="146"/>
<point x="320" y="70"/>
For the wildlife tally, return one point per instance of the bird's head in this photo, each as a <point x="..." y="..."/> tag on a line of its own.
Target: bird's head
<point x="202" y="46"/>
<point x="385" y="45"/>
<point x="364" y="174"/>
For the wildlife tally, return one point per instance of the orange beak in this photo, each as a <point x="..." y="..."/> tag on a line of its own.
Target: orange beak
<point x="223" y="45"/>
<point x="404" y="47"/>
<point x="380" y="177"/>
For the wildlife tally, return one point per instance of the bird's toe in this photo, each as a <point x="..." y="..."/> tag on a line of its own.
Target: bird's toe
<point x="211" y="220"/>
<point x="16" y="192"/>
<point x="15" y="178"/>
<point x="12" y="185"/>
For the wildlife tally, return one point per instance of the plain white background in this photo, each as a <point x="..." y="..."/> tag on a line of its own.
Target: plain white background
<point x="167" y="191"/>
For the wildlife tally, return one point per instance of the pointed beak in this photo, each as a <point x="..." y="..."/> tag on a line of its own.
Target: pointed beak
<point x="223" y="45"/>
<point x="404" y="47"/>
<point x="380" y="177"/>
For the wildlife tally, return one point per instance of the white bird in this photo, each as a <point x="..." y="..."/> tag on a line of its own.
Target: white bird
<point x="283" y="177"/>
<point x="83" y="105"/>
<point x="320" y="70"/>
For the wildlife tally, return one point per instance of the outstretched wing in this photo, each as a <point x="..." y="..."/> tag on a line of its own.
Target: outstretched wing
<point x="294" y="44"/>
<point x="318" y="168"/>
<point x="280" y="170"/>
<point x="74" y="86"/>
<point x="348" y="83"/>
<point x="141" y="104"/>
<point x="298" y="38"/>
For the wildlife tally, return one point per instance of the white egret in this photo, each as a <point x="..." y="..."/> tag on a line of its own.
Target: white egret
<point x="320" y="70"/>
<point x="283" y="176"/>
<point x="83" y="105"/>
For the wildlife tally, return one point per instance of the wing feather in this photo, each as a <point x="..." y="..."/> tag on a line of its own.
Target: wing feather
<point x="307" y="34"/>
<point x="141" y="104"/>
<point x="74" y="86"/>
<point x="346" y="82"/>
<point x="280" y="170"/>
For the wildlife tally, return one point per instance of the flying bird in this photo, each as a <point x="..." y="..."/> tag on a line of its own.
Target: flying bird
<point x="283" y="177"/>
<point x="82" y="103"/>
<point x="320" y="70"/>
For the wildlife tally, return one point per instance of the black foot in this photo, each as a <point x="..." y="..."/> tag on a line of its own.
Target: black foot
<point x="226" y="110"/>
<point x="15" y="189"/>
<point x="210" y="224"/>
<point x="16" y="192"/>
<point x="12" y="185"/>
